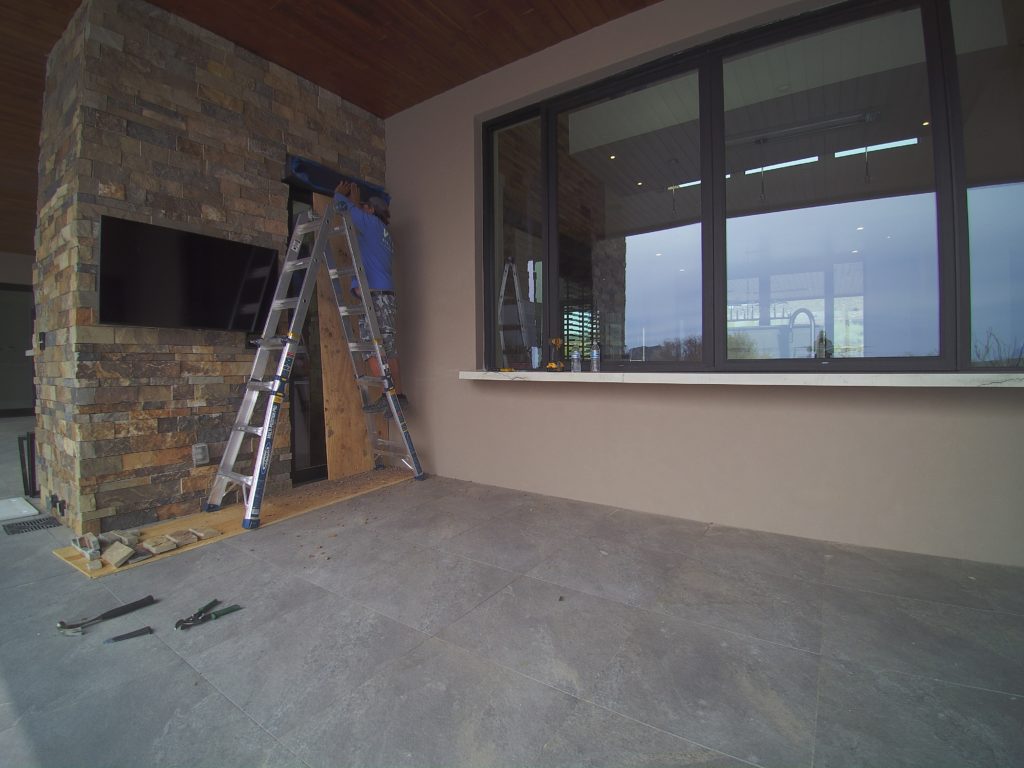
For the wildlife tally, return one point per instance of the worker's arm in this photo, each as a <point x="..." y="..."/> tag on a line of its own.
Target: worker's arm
<point x="349" y="190"/>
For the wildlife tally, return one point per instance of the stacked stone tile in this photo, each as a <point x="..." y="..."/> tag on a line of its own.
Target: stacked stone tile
<point x="150" y="118"/>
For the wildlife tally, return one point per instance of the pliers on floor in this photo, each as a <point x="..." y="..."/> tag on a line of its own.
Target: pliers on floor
<point x="204" y="614"/>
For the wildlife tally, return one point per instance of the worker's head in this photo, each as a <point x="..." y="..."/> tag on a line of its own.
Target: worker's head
<point x="378" y="206"/>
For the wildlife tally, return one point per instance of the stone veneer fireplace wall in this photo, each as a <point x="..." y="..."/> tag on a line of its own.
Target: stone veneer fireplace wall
<point x="151" y="118"/>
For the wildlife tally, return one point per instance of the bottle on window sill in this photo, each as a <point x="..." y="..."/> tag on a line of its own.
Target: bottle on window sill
<point x="595" y="358"/>
<point x="577" y="361"/>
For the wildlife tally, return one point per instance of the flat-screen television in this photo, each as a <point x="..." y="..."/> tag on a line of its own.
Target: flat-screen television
<point x="168" y="278"/>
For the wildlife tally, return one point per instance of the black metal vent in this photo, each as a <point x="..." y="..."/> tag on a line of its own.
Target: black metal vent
<point x="35" y="524"/>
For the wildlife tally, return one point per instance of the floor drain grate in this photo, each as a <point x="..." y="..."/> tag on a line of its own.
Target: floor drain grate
<point x="24" y="526"/>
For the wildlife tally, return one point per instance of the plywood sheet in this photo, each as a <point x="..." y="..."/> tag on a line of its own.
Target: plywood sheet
<point x="228" y="520"/>
<point x="348" y="445"/>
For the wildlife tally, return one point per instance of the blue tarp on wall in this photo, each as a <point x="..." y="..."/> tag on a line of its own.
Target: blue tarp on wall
<point x="307" y="174"/>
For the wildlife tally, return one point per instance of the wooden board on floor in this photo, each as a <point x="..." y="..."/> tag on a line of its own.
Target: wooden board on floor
<point x="228" y="521"/>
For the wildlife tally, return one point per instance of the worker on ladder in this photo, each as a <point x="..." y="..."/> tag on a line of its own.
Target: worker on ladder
<point x="371" y="220"/>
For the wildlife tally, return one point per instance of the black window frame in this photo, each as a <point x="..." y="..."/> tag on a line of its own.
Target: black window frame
<point x="707" y="61"/>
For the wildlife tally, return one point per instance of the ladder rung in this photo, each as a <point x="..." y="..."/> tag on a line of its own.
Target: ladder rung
<point x="276" y="342"/>
<point x="250" y="429"/>
<point x="235" y="477"/>
<point x="390" y="448"/>
<point x="362" y="346"/>
<point x="295" y="266"/>
<point x="262" y="386"/>
<point x="371" y="381"/>
<point x="285" y="304"/>
<point x="303" y="229"/>
<point x="334" y="274"/>
<point x="351" y="311"/>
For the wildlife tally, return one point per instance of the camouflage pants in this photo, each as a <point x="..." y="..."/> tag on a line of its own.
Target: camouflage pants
<point x="385" y="306"/>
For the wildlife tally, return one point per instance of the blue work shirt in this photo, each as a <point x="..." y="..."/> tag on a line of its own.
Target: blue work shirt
<point x="374" y="244"/>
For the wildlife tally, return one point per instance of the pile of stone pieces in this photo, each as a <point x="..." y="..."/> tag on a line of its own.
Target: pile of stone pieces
<point x="116" y="548"/>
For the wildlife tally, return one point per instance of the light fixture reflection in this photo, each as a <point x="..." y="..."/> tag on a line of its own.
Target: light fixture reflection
<point x="777" y="166"/>
<point x="877" y="147"/>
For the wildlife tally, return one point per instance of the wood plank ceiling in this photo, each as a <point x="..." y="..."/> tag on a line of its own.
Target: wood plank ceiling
<point x="382" y="56"/>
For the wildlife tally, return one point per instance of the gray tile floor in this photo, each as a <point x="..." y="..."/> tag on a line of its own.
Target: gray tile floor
<point x="443" y="623"/>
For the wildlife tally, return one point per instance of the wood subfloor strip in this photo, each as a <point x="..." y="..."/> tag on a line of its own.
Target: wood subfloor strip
<point x="283" y="506"/>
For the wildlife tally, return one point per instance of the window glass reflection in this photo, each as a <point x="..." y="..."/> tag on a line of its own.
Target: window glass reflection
<point x="831" y="217"/>
<point x="991" y="70"/>
<point x="629" y="232"/>
<point x="518" y="246"/>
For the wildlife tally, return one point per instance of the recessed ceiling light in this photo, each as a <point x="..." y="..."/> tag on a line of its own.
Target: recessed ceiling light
<point x="860" y="229"/>
<point x="926" y="122"/>
<point x="854" y="251"/>
<point x="611" y="157"/>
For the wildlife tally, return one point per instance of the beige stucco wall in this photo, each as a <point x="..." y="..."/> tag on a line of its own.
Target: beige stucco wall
<point x="924" y="470"/>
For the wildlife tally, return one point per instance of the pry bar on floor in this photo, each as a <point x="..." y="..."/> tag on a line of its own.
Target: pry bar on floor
<point x="121" y="610"/>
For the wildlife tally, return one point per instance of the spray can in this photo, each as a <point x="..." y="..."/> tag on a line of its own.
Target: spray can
<point x="595" y="358"/>
<point x="576" y="361"/>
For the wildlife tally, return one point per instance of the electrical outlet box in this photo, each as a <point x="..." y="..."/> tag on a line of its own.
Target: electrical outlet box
<point x="200" y="454"/>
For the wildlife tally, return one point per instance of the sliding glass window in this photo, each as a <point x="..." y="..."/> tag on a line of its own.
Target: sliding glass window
<point x="629" y="231"/>
<point x="517" y="216"/>
<point x="837" y="192"/>
<point x="831" y="237"/>
<point x="988" y="36"/>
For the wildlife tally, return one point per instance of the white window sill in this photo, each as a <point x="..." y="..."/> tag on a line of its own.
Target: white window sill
<point x="764" y="379"/>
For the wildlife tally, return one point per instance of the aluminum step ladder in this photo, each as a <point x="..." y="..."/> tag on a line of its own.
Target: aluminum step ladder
<point x="336" y="221"/>
<point x="515" y="326"/>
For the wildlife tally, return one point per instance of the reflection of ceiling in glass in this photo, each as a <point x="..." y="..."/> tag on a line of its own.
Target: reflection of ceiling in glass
<point x="664" y="105"/>
<point x="835" y="56"/>
<point x="979" y="24"/>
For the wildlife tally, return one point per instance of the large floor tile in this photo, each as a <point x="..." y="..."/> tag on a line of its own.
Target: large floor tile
<point x="167" y="716"/>
<point x="507" y="544"/>
<point x="593" y="737"/>
<point x="763" y="605"/>
<point x="564" y="516"/>
<point x="743" y="697"/>
<point x="1001" y="585"/>
<point x="869" y="719"/>
<point x="267" y="595"/>
<point x="657" y="532"/>
<point x="436" y="706"/>
<point x="905" y="574"/>
<point x="429" y="589"/>
<point x="555" y="635"/>
<point x="629" y="574"/>
<point x="335" y="558"/>
<point x="42" y="671"/>
<point x="295" y="667"/>
<point x="726" y="547"/>
<point x="180" y="572"/>
<point x="437" y="520"/>
<point x="958" y="645"/>
<point x="27" y="557"/>
<point x="35" y="607"/>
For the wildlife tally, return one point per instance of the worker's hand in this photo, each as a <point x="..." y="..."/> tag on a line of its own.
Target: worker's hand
<point x="344" y="187"/>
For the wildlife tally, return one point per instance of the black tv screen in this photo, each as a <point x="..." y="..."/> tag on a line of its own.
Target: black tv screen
<point x="167" y="278"/>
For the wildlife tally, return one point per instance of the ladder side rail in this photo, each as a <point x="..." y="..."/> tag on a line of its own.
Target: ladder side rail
<point x="226" y="474"/>
<point x="501" y="312"/>
<point x="366" y="298"/>
<point x="265" y="447"/>
<point x="523" y="328"/>
<point x="412" y="461"/>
